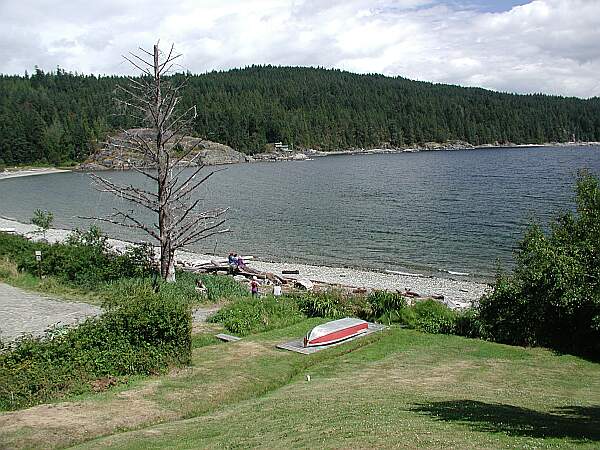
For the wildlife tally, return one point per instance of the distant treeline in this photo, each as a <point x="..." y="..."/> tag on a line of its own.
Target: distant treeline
<point x="59" y="116"/>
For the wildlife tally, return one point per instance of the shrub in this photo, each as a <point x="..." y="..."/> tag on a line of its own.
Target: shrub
<point x="429" y="316"/>
<point x="468" y="324"/>
<point x="85" y="259"/>
<point x="16" y="247"/>
<point x="42" y="219"/>
<point x="385" y="306"/>
<point x="144" y="335"/>
<point x="332" y="304"/>
<point x="552" y="298"/>
<point x="257" y="314"/>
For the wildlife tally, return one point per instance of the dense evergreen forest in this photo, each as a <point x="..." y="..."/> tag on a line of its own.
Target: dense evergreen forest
<point x="59" y="117"/>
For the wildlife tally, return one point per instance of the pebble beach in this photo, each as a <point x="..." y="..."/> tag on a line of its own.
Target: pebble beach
<point x="456" y="293"/>
<point x="29" y="172"/>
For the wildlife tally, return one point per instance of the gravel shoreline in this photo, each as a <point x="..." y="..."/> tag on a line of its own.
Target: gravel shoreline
<point x="457" y="293"/>
<point x="29" y="172"/>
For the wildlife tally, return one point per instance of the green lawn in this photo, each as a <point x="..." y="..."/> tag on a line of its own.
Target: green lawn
<point x="400" y="388"/>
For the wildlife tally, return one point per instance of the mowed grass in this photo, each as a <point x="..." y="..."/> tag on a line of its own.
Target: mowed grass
<point x="398" y="389"/>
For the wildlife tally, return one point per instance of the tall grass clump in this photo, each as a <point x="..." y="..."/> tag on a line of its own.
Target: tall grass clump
<point x="220" y="287"/>
<point x="385" y="306"/>
<point x="256" y="314"/>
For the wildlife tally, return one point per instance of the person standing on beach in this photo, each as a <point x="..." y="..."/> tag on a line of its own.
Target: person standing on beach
<point x="254" y="287"/>
<point x="277" y="289"/>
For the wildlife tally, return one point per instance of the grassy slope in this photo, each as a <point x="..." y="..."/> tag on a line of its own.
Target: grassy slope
<point x="408" y="390"/>
<point x="399" y="389"/>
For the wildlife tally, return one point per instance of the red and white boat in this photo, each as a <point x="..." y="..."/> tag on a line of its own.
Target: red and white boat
<point x="335" y="331"/>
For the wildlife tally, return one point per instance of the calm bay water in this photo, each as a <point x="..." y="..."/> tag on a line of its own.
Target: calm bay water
<point x="459" y="211"/>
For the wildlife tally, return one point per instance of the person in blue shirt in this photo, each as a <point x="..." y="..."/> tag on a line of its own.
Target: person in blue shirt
<point x="232" y="260"/>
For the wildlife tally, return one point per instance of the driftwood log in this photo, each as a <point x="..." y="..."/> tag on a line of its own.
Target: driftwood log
<point x="248" y="272"/>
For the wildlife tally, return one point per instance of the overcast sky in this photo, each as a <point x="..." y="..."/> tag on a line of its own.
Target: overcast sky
<point x="550" y="46"/>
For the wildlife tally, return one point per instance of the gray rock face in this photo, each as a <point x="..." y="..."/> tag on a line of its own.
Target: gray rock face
<point x="450" y="145"/>
<point x="205" y="152"/>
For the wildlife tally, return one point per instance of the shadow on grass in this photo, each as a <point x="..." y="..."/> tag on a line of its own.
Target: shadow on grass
<point x="574" y="422"/>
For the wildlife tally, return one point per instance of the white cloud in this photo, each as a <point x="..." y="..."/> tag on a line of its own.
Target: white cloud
<point x="546" y="46"/>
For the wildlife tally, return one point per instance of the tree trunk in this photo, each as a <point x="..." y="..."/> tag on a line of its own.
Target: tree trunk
<point x="170" y="278"/>
<point x="167" y="254"/>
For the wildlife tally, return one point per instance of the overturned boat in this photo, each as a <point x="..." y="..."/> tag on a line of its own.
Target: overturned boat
<point x="335" y="331"/>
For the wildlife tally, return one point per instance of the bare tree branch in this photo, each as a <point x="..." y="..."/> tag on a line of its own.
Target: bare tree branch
<point x="156" y="100"/>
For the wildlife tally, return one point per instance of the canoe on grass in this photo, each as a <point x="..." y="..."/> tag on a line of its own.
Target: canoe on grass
<point x="335" y="331"/>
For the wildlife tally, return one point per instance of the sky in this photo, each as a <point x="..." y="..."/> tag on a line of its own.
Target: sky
<point x="547" y="46"/>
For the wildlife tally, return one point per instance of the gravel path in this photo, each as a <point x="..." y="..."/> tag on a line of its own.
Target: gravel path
<point x="24" y="312"/>
<point x="200" y="315"/>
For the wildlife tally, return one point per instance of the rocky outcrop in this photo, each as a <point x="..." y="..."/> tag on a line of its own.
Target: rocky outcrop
<point x="450" y="145"/>
<point x="110" y="157"/>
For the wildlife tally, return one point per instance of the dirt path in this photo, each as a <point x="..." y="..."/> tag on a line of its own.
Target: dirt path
<point x="23" y="312"/>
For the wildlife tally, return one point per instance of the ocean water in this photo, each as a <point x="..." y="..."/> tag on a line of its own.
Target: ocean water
<point x="443" y="213"/>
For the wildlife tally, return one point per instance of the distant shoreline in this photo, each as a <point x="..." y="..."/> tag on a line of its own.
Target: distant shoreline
<point x="17" y="172"/>
<point x="451" y="147"/>
<point x="307" y="154"/>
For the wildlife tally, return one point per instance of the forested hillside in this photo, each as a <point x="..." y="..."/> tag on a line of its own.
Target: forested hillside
<point x="58" y="117"/>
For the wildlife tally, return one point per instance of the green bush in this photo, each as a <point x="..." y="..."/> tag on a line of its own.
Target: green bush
<point x="256" y="314"/>
<point x="385" y="306"/>
<point x="223" y="287"/>
<point x="85" y="259"/>
<point x="468" y="324"/>
<point x="429" y="316"/>
<point x="552" y="298"/>
<point x="15" y="247"/>
<point x="331" y="304"/>
<point x="144" y="335"/>
<point x="42" y="219"/>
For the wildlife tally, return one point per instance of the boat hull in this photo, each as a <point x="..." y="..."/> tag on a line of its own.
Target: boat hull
<point x="335" y="331"/>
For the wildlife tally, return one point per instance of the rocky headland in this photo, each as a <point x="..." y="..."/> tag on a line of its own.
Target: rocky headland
<point x="112" y="156"/>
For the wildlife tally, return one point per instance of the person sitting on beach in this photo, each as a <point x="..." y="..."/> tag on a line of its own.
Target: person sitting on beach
<point x="232" y="261"/>
<point x="254" y="287"/>
<point x="240" y="263"/>
<point x="200" y="287"/>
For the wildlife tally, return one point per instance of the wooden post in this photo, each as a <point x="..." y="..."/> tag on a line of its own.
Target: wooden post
<point x="38" y="258"/>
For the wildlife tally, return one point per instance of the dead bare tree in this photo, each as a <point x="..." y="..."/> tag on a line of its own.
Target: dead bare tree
<point x="155" y="102"/>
